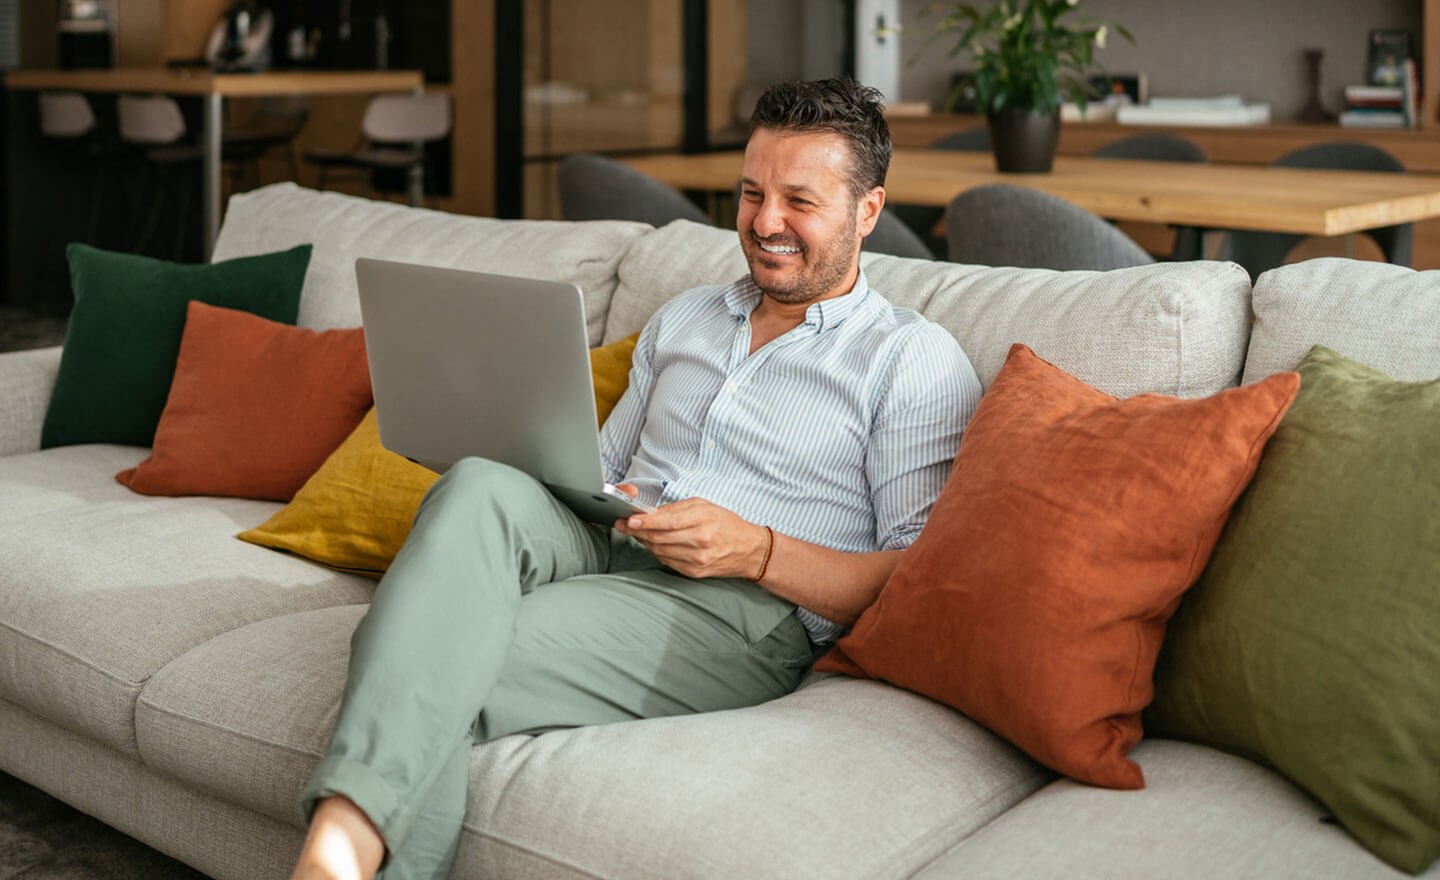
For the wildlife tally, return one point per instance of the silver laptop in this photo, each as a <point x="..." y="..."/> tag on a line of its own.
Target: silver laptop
<point x="467" y="363"/>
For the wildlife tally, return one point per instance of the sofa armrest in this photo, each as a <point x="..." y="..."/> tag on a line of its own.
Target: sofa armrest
<point x="27" y="378"/>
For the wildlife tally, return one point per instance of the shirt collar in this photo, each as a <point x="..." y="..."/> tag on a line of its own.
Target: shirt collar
<point x="744" y="295"/>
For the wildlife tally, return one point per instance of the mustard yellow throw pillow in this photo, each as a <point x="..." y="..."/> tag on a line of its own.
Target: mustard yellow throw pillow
<point x="355" y="511"/>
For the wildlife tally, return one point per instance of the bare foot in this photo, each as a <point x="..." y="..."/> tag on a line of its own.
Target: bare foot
<point x="343" y="844"/>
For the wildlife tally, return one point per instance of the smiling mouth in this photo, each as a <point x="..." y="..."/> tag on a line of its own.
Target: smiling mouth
<point x="779" y="249"/>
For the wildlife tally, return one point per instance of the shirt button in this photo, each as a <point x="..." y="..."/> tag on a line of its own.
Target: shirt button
<point x="710" y="444"/>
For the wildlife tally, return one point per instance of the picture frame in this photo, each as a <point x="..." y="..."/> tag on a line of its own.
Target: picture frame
<point x="1386" y="56"/>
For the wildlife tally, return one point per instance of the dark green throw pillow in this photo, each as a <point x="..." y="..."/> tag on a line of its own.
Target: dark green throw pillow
<point x="1312" y="640"/>
<point x="125" y="327"/>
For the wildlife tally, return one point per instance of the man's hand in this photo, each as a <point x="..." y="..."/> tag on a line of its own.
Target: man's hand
<point x="699" y="539"/>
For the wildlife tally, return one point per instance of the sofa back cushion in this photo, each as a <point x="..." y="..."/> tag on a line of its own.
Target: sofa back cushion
<point x="344" y="227"/>
<point x="1376" y="313"/>
<point x="1175" y="328"/>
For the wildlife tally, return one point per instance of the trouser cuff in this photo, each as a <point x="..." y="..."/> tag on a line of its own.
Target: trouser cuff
<point x="362" y="785"/>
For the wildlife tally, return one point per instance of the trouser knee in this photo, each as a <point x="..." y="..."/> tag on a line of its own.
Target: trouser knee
<point x="482" y="484"/>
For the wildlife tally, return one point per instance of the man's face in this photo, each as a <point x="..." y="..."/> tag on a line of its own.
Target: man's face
<point x="800" y="224"/>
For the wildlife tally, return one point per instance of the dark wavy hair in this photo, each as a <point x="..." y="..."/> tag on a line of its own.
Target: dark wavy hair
<point x="841" y="106"/>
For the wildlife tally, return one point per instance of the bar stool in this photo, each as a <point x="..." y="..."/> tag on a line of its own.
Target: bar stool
<point x="67" y="119"/>
<point x="275" y="124"/>
<point x="394" y="130"/>
<point x="154" y="125"/>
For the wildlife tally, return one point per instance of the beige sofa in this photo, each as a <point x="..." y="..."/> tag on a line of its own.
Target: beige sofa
<point x="180" y="684"/>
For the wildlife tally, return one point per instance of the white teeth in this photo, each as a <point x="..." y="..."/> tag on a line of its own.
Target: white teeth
<point x="779" y="249"/>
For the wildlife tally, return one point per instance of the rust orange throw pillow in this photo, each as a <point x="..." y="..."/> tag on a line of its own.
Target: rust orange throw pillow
<point x="1035" y="600"/>
<point x="255" y="408"/>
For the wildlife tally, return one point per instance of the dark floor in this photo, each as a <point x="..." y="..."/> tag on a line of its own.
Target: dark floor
<point x="26" y="328"/>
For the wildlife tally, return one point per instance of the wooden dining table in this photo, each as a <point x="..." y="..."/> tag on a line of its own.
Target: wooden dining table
<point x="1209" y="195"/>
<point x="213" y="88"/>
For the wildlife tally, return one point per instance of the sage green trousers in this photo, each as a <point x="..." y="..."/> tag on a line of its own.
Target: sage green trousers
<point x="505" y="613"/>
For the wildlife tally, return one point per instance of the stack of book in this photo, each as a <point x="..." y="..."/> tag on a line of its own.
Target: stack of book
<point x="1383" y="106"/>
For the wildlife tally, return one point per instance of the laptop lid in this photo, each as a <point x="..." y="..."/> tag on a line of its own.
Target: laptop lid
<point x="469" y="363"/>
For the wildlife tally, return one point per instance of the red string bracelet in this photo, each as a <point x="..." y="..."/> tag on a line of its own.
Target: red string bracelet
<point x="765" y="563"/>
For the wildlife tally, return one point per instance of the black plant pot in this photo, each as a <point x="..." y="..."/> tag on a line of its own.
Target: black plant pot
<point x="1023" y="140"/>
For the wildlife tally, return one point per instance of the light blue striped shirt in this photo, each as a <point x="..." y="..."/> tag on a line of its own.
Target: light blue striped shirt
<point x="841" y="432"/>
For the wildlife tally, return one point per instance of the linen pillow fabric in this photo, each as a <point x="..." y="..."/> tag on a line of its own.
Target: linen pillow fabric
<point x="1312" y="641"/>
<point x="124" y="334"/>
<point x="255" y="408"/>
<point x="1035" y="599"/>
<point x="355" y="512"/>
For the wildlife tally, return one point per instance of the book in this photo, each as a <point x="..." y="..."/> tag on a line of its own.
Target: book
<point x="1373" y="119"/>
<point x="1409" y="87"/>
<point x="1379" y="94"/>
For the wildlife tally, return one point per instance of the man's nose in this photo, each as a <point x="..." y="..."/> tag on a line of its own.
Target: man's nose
<point x="769" y="218"/>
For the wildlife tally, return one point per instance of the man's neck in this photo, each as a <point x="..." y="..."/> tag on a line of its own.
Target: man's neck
<point x="772" y="318"/>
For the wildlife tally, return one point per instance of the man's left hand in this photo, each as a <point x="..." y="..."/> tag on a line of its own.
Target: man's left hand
<point x="699" y="539"/>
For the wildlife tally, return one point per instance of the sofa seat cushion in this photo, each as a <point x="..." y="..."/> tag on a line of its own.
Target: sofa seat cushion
<point x="866" y="779"/>
<point x="1203" y="814"/>
<point x="102" y="587"/>
<point x="1175" y="328"/>
<point x="343" y="227"/>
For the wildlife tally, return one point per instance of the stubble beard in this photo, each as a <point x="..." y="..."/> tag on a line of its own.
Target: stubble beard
<point x="830" y="269"/>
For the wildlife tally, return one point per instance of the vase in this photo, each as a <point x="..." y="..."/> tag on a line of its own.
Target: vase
<point x="1023" y="140"/>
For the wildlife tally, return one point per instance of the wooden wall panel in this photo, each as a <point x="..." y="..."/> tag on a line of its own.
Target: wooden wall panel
<point x="728" y="22"/>
<point x="472" y="72"/>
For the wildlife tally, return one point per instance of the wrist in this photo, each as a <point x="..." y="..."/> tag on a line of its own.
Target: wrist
<point x="767" y="551"/>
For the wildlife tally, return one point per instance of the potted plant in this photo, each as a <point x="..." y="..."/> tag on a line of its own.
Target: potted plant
<point x="1028" y="60"/>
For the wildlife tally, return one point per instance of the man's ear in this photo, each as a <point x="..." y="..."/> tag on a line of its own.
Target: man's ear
<point x="867" y="210"/>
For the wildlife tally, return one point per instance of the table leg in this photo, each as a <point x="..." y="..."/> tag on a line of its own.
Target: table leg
<point x="211" y="171"/>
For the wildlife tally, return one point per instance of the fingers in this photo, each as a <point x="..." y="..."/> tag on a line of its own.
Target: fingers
<point x="694" y="537"/>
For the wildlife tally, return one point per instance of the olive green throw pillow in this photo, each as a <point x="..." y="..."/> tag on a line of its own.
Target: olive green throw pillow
<point x="1312" y="640"/>
<point x="125" y="327"/>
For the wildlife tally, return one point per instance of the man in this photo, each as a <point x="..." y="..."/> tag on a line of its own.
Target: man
<point x="794" y="430"/>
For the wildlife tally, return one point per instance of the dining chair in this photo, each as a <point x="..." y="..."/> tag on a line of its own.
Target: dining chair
<point x="594" y="187"/>
<point x="154" y="127"/>
<point x="1163" y="146"/>
<point x="393" y="135"/>
<point x="1260" y="251"/>
<point x="892" y="236"/>
<point x="1001" y="224"/>
<point x="970" y="140"/>
<point x="923" y="219"/>
<point x="68" y="121"/>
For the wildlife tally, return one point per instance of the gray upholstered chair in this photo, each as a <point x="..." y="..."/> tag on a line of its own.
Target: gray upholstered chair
<point x="1158" y="146"/>
<point x="892" y="236"/>
<point x="1259" y="251"/>
<point x="600" y="188"/>
<point x="971" y="140"/>
<point x="1004" y="225"/>
<point x="922" y="219"/>
<point x="1161" y="146"/>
